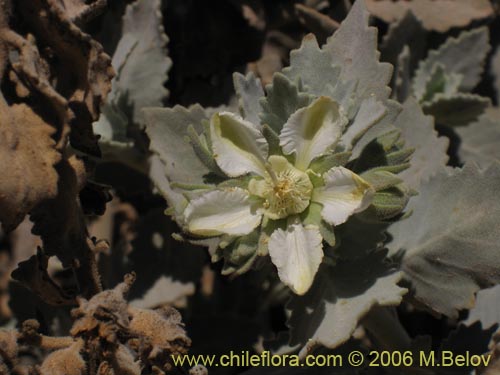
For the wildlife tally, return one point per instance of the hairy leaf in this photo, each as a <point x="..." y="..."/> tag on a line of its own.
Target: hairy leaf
<point x="144" y="71"/>
<point x="339" y="298"/>
<point x="407" y="31"/>
<point x="164" y="291"/>
<point x="167" y="128"/>
<point x="440" y="83"/>
<point x="452" y="57"/>
<point x="313" y="67"/>
<point x="142" y="65"/>
<point x="249" y="91"/>
<point x="480" y="140"/>
<point x="458" y="109"/>
<point x="370" y="112"/>
<point x="450" y="242"/>
<point x="354" y="48"/>
<point x="157" y="174"/>
<point x="430" y="150"/>
<point x="282" y="100"/>
<point x="402" y="78"/>
<point x="487" y="308"/>
<point x="495" y="70"/>
<point x="381" y="127"/>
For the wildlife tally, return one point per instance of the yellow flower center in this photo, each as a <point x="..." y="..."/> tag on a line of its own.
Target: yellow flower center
<point x="286" y="191"/>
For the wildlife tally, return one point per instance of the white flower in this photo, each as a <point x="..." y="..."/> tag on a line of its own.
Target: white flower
<point x="281" y="187"/>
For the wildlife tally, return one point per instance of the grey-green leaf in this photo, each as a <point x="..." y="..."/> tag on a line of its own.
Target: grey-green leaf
<point x="380" y="180"/>
<point x="430" y="150"/>
<point x="463" y="55"/>
<point x="112" y="125"/>
<point x="495" y="70"/>
<point x="340" y="297"/>
<point x="249" y="91"/>
<point x="353" y="47"/>
<point x="165" y="290"/>
<point x="487" y="308"/>
<point x="402" y="76"/>
<point x="167" y="129"/>
<point x="144" y="71"/>
<point x="282" y="100"/>
<point x="480" y="141"/>
<point x="175" y="199"/>
<point x="457" y="110"/>
<point x="450" y="242"/>
<point x="441" y="83"/>
<point x="141" y="65"/>
<point x="370" y="112"/>
<point x="381" y="127"/>
<point x="313" y="67"/>
<point x="407" y="31"/>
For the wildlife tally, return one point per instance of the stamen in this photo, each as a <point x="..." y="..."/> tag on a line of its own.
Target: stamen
<point x="286" y="193"/>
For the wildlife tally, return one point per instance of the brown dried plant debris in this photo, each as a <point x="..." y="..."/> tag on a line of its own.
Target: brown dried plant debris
<point x="320" y="24"/>
<point x="28" y="156"/>
<point x="63" y="76"/>
<point x="271" y="60"/>
<point x="436" y="15"/>
<point x="61" y="64"/>
<point x="108" y="337"/>
<point x="164" y="333"/>
<point x="284" y="31"/>
<point x="198" y="370"/>
<point x="81" y="11"/>
<point x="105" y="315"/>
<point x="33" y="274"/>
<point x="66" y="361"/>
<point x="61" y="224"/>
<point x="8" y="347"/>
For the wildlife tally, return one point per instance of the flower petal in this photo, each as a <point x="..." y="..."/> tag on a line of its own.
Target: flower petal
<point x="344" y="194"/>
<point x="310" y="131"/>
<point x="239" y="148"/>
<point x="297" y="252"/>
<point x="222" y="212"/>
